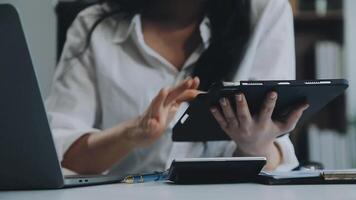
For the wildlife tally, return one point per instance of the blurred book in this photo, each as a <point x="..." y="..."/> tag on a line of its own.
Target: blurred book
<point x="332" y="149"/>
<point x="328" y="60"/>
<point x="318" y="6"/>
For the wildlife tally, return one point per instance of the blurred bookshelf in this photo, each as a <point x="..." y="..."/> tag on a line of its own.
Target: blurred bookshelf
<point x="319" y="37"/>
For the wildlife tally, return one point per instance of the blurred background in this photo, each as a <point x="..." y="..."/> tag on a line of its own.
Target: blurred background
<point x="325" y="48"/>
<point x="325" y="33"/>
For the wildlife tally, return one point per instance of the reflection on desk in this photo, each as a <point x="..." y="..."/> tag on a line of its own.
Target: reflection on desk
<point x="166" y="191"/>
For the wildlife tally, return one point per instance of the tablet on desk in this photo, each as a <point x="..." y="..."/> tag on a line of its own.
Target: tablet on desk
<point x="198" y="124"/>
<point x="215" y="170"/>
<point x="308" y="177"/>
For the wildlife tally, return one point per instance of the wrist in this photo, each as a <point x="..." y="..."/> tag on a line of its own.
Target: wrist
<point x="255" y="150"/>
<point x="271" y="152"/>
<point x="128" y="133"/>
<point x="274" y="158"/>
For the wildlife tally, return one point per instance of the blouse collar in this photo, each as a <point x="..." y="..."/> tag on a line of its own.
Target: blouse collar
<point x="125" y="28"/>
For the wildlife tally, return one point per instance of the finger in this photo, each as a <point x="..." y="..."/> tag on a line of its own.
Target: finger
<point x="196" y="83"/>
<point x="268" y="106"/>
<point x="219" y="117"/>
<point x="242" y="111"/>
<point x="177" y="91"/>
<point x="292" y="119"/>
<point x="188" y="95"/>
<point x="157" y="102"/>
<point x="228" y="112"/>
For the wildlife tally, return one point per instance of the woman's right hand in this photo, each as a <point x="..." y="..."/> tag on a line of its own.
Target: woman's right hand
<point x="96" y="153"/>
<point x="148" y="128"/>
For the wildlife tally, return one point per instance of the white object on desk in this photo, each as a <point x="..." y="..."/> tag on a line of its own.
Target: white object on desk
<point x="293" y="174"/>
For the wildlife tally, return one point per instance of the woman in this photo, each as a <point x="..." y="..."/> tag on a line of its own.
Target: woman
<point x="106" y="112"/>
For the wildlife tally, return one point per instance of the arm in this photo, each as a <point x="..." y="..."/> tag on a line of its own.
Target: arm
<point x="95" y="153"/>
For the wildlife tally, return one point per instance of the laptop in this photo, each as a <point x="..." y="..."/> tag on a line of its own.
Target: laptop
<point x="28" y="158"/>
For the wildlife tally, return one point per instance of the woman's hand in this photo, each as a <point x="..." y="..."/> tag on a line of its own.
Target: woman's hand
<point x="255" y="135"/>
<point x="151" y="125"/>
<point x="96" y="153"/>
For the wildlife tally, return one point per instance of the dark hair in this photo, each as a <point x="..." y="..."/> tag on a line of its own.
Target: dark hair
<point x="230" y="32"/>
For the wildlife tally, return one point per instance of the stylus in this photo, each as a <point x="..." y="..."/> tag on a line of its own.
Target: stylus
<point x="143" y="178"/>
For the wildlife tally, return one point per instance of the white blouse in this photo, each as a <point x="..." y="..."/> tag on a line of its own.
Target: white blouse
<point x="116" y="78"/>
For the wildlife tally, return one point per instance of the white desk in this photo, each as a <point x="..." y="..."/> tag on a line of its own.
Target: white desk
<point x="161" y="191"/>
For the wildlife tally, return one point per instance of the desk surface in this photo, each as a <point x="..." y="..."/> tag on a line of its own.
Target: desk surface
<point x="206" y="192"/>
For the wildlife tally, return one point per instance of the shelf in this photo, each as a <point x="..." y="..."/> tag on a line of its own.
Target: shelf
<point x="328" y="26"/>
<point x="309" y="16"/>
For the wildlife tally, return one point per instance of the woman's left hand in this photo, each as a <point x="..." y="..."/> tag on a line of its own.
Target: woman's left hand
<point x="254" y="135"/>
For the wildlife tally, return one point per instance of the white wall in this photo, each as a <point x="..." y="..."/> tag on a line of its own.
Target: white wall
<point x="39" y="22"/>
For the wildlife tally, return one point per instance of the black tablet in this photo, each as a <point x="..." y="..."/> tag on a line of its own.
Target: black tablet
<point x="198" y="124"/>
<point x="308" y="177"/>
<point x="215" y="170"/>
